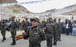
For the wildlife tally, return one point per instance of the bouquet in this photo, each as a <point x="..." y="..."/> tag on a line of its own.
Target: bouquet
<point x="19" y="37"/>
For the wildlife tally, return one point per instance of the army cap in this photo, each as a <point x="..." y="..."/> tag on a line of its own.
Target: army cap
<point x="49" y="19"/>
<point x="55" y="20"/>
<point x="35" y="19"/>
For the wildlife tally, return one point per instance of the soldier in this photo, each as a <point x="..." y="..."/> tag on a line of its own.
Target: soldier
<point x="13" y="27"/>
<point x="43" y="24"/>
<point x="55" y="32"/>
<point x="25" y="26"/>
<point x="35" y="34"/>
<point x="3" y="30"/>
<point x="59" y="30"/>
<point x="49" y="32"/>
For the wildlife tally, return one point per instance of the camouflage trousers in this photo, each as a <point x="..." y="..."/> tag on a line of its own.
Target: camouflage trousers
<point x="34" y="44"/>
<point x="3" y="33"/>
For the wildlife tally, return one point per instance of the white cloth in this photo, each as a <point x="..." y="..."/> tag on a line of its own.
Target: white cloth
<point x="67" y="26"/>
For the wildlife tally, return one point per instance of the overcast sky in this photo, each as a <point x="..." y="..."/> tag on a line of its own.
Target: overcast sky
<point x="47" y="5"/>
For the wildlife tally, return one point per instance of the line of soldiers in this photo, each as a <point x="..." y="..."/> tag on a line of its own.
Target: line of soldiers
<point x="52" y="31"/>
<point x="47" y="30"/>
<point x="38" y="31"/>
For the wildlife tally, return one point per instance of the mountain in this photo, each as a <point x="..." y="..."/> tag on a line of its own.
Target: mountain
<point x="69" y="10"/>
<point x="73" y="12"/>
<point x="13" y="10"/>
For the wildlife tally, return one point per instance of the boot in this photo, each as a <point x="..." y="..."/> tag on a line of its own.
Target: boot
<point x="13" y="43"/>
<point x="3" y="39"/>
<point x="55" y="43"/>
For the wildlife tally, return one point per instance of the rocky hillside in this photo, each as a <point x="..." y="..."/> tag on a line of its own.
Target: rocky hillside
<point x="12" y="10"/>
<point x="70" y="13"/>
<point x="73" y="12"/>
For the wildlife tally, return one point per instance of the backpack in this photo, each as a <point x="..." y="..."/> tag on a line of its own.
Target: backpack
<point x="49" y="29"/>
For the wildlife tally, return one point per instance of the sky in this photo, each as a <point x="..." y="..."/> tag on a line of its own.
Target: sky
<point x="46" y="5"/>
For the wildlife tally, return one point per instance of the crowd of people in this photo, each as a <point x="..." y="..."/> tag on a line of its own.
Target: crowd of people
<point x="69" y="27"/>
<point x="37" y="31"/>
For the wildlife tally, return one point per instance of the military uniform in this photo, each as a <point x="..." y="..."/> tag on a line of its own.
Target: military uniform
<point x="35" y="35"/>
<point x="49" y="33"/>
<point x="3" y="31"/>
<point x="25" y="27"/>
<point x="55" y="32"/>
<point x="59" y="31"/>
<point x="13" y="27"/>
<point x="43" y="24"/>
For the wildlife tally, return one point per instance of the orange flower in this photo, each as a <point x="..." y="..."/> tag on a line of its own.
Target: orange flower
<point x="19" y="37"/>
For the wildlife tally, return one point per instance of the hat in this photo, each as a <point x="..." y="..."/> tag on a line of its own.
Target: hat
<point x="49" y="19"/>
<point x="35" y="19"/>
<point x="55" y="20"/>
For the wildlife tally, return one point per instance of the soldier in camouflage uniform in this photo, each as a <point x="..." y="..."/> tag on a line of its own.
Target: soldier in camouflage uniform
<point x="43" y="24"/>
<point x="59" y="30"/>
<point x="35" y="34"/>
<point x="3" y="30"/>
<point x="49" y="32"/>
<point x="13" y="27"/>
<point x="55" y="31"/>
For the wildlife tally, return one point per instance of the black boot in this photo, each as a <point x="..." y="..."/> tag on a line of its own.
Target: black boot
<point x="13" y="43"/>
<point x="3" y="39"/>
<point x="55" y="43"/>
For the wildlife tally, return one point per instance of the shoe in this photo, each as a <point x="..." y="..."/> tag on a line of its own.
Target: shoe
<point x="55" y="44"/>
<point x="13" y="44"/>
<point x="3" y="39"/>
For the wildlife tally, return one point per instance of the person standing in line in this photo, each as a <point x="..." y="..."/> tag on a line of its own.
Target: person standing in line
<point x="49" y="32"/>
<point x="59" y="30"/>
<point x="13" y="27"/>
<point x="55" y="32"/>
<point x="3" y="30"/>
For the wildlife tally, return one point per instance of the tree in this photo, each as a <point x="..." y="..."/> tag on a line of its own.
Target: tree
<point x="16" y="11"/>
